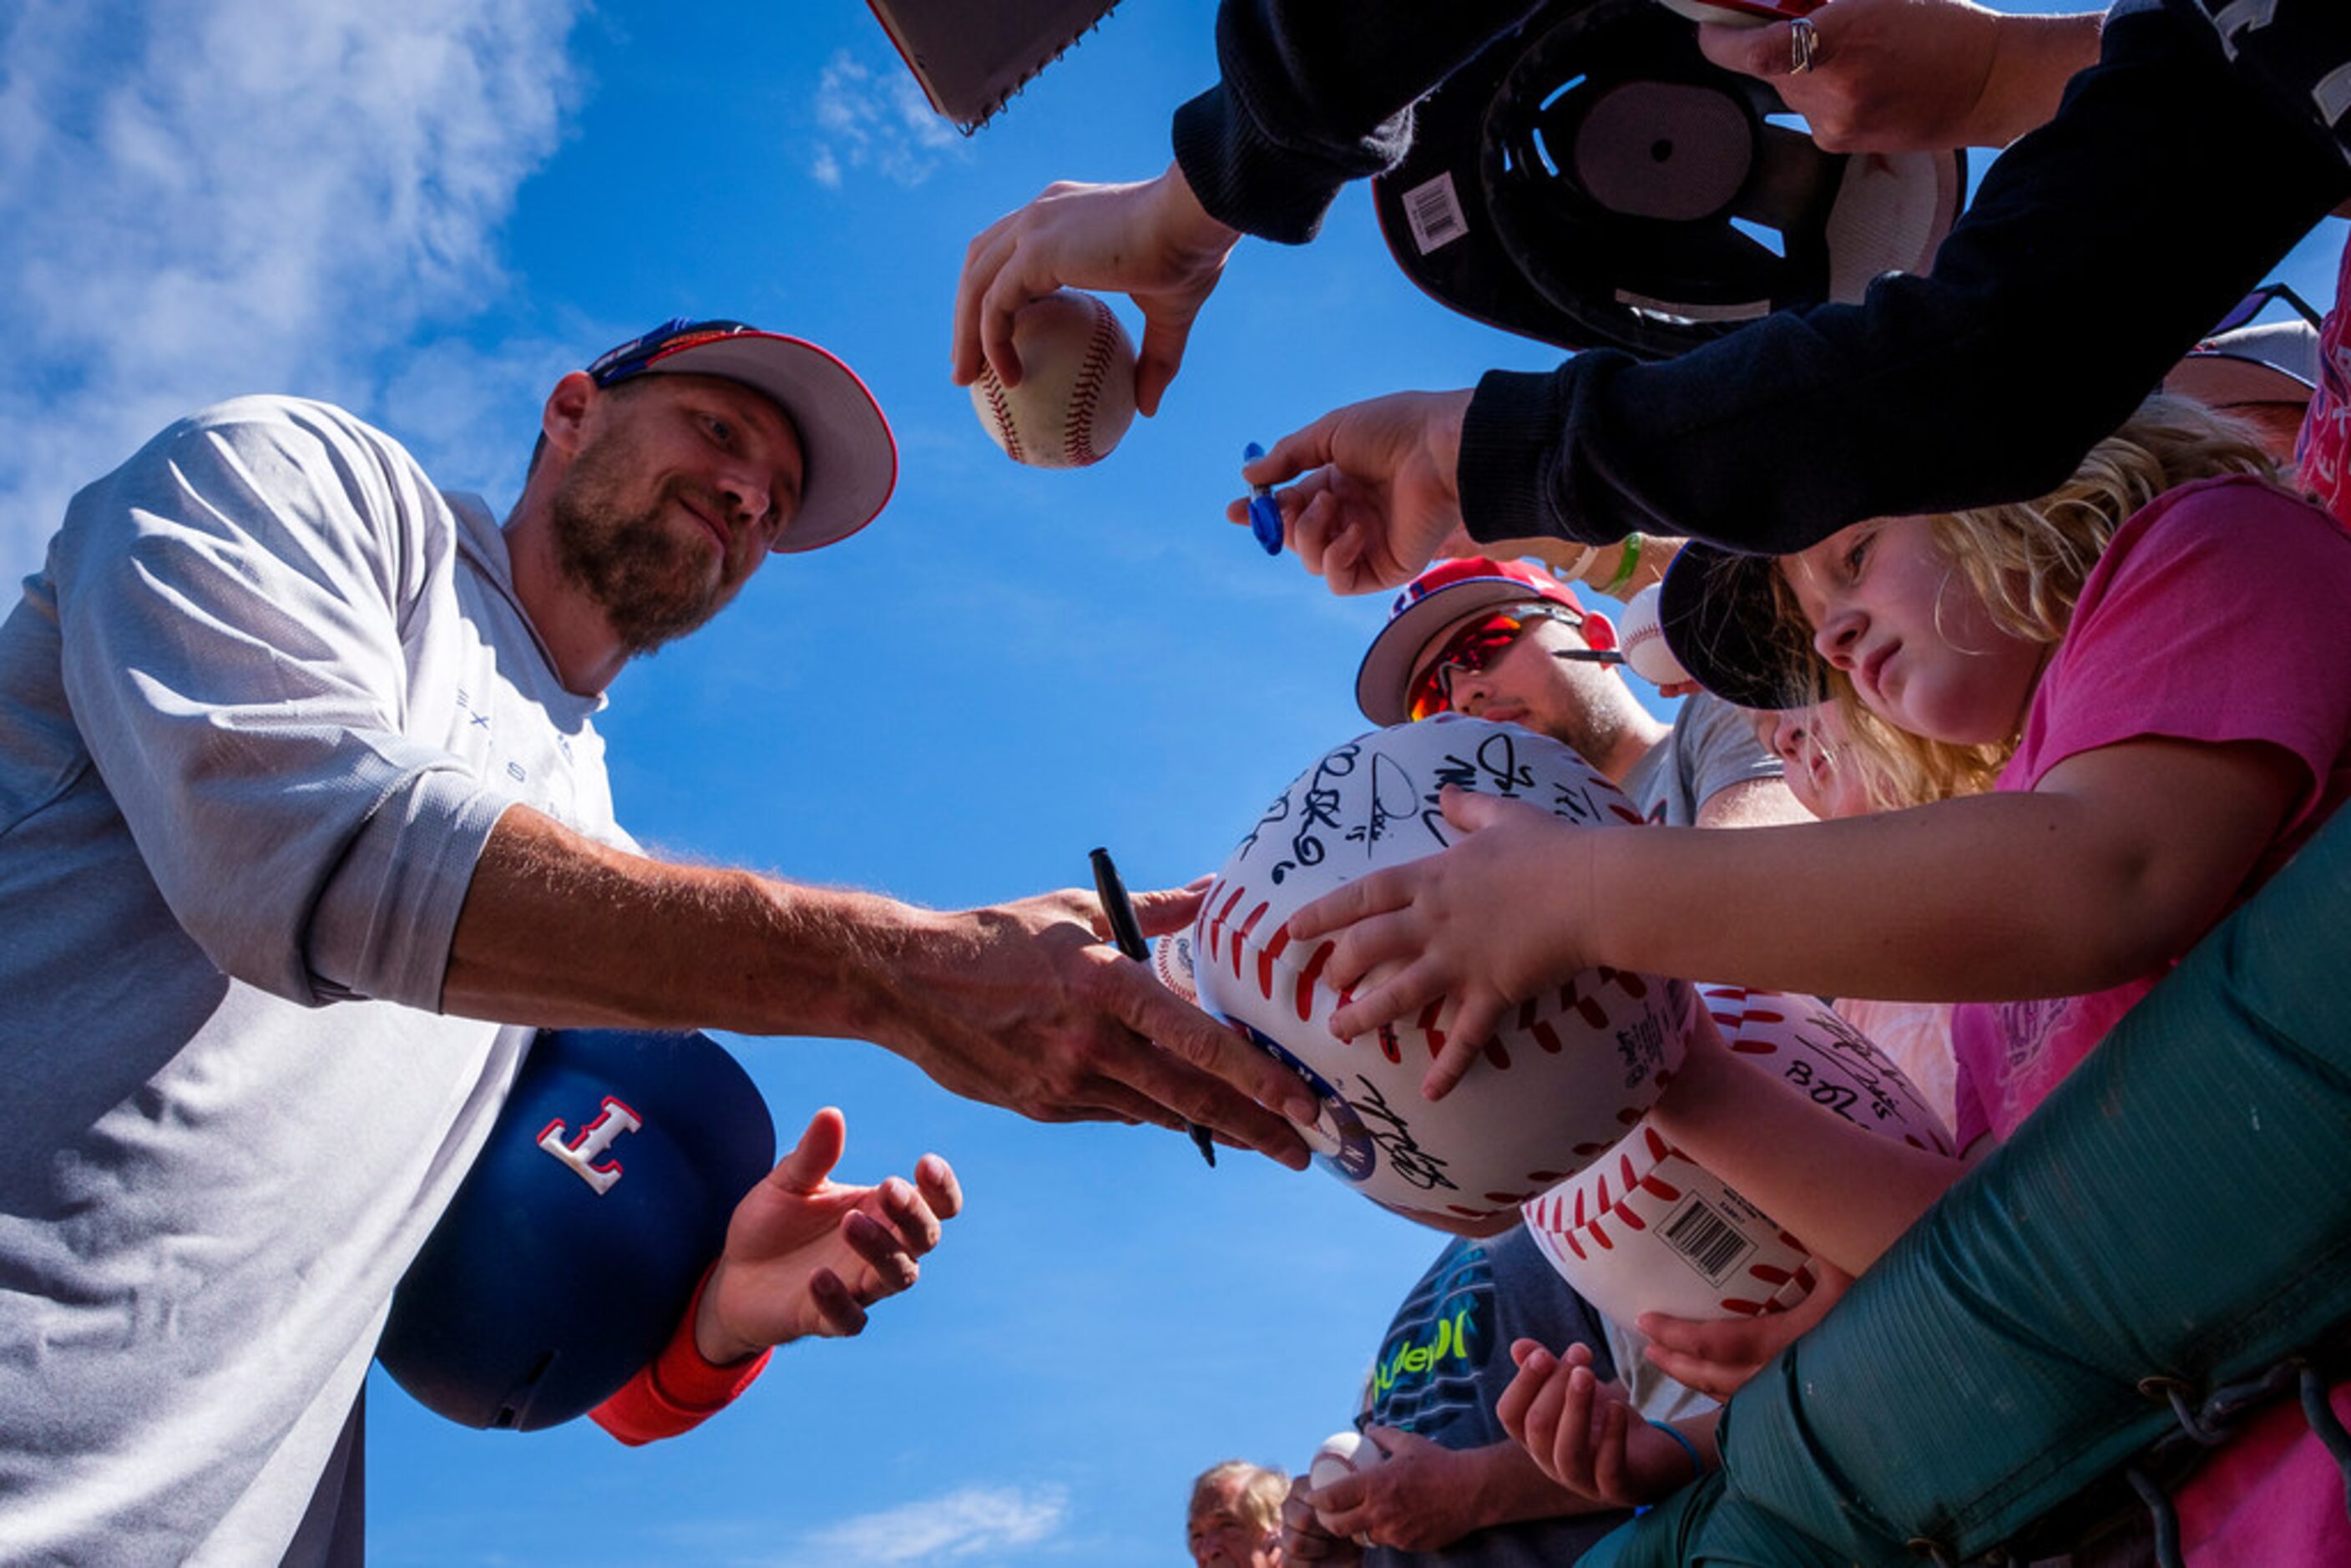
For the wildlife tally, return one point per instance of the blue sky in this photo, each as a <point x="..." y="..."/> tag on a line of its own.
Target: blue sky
<point x="428" y="211"/>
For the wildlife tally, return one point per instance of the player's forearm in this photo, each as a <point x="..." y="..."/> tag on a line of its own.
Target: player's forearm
<point x="1848" y="1192"/>
<point x="2034" y="59"/>
<point x="559" y="930"/>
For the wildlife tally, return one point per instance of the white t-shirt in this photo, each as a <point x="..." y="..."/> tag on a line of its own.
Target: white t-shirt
<point x="258" y="715"/>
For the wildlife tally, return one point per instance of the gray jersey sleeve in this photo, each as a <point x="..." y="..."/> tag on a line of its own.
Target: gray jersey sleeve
<point x="232" y="603"/>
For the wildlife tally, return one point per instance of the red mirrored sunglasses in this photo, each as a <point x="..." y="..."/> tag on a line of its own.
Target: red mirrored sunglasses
<point x="1473" y="650"/>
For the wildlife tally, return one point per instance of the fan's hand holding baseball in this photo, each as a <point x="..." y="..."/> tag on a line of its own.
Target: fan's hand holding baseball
<point x="1426" y="930"/>
<point x="1151" y="241"/>
<point x="1305" y="1538"/>
<point x="1416" y="1499"/>
<point x="1378" y="497"/>
<point x="1718" y="1357"/>
<point x="1584" y="1434"/>
<point x="1022" y="1005"/>
<point x="806" y="1255"/>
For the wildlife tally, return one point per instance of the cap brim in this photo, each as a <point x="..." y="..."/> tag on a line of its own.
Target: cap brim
<point x="2224" y="381"/>
<point x="1720" y="618"/>
<point x="1388" y="663"/>
<point x="850" y="458"/>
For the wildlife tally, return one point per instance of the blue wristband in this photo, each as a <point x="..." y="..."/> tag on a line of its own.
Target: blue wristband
<point x="1698" y="1466"/>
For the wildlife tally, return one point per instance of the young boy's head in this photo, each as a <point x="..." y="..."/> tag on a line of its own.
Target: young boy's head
<point x="1496" y="640"/>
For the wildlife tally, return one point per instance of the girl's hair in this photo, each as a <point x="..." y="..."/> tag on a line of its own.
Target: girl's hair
<point x="1897" y="768"/>
<point x="2027" y="562"/>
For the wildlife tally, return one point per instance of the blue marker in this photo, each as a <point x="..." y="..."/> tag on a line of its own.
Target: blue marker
<point x="1265" y="512"/>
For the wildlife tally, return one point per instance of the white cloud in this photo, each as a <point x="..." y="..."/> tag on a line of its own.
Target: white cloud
<point x="878" y="122"/>
<point x="207" y="197"/>
<point x="944" y="1528"/>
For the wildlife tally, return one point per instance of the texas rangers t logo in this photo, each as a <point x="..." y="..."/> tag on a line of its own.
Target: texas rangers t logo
<point x="582" y="1152"/>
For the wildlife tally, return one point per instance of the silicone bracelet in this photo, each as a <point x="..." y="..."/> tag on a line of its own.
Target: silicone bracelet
<point x="1626" y="566"/>
<point x="1698" y="1466"/>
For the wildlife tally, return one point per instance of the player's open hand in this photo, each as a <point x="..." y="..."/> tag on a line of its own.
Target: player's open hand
<point x="1718" y="1357"/>
<point x="1378" y="496"/>
<point x="1151" y="241"/>
<point x="806" y="1255"/>
<point x="1426" y="931"/>
<point x="1025" y="1005"/>
<point x="1584" y="1434"/>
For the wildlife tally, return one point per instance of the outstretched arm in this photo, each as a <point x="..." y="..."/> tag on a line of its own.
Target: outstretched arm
<point x="2111" y="867"/>
<point x="1017" y="1005"/>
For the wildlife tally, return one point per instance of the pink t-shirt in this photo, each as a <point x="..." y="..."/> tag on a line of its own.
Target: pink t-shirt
<point x="2323" y="456"/>
<point x="2222" y="612"/>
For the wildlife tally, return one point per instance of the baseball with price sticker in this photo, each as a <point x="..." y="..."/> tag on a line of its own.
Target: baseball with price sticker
<point x="1076" y="395"/>
<point x="1646" y="1228"/>
<point x="1568" y="1070"/>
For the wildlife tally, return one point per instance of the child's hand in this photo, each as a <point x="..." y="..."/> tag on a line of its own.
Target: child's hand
<point x="1718" y="1357"/>
<point x="1484" y="925"/>
<point x="806" y="1255"/>
<point x="1583" y="1434"/>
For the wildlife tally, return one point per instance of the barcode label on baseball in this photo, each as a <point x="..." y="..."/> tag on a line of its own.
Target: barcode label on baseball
<point x="1709" y="1243"/>
<point x="1435" y="214"/>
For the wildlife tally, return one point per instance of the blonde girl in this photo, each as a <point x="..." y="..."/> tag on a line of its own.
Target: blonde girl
<point x="2165" y="642"/>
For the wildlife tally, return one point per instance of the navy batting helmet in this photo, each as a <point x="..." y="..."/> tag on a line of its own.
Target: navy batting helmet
<point x="568" y="1255"/>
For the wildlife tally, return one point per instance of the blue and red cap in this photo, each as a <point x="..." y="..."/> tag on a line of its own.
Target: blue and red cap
<point x="851" y="459"/>
<point x="1432" y="604"/>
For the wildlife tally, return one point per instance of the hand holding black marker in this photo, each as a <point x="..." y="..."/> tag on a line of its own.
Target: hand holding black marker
<point x="1126" y="935"/>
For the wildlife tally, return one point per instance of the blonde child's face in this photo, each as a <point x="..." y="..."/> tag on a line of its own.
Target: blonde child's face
<point x="1889" y="608"/>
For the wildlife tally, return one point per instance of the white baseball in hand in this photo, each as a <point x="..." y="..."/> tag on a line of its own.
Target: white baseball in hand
<point x="1342" y="1454"/>
<point x="1076" y="395"/>
<point x="1644" y="640"/>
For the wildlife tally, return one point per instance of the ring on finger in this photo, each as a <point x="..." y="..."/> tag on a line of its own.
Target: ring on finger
<point x="1803" y="43"/>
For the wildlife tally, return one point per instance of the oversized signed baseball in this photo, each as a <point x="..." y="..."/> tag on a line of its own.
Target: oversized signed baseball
<point x="1644" y="640"/>
<point x="1646" y="1228"/>
<point x="1568" y="1073"/>
<point x="1076" y="395"/>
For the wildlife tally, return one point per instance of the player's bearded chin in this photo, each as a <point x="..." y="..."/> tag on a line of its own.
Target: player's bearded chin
<point x="635" y="563"/>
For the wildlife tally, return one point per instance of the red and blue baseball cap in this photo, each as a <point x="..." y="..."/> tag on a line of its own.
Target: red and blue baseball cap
<point x="1432" y="604"/>
<point x="851" y="459"/>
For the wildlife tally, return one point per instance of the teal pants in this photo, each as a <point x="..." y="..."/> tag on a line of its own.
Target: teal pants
<point x="2181" y="1207"/>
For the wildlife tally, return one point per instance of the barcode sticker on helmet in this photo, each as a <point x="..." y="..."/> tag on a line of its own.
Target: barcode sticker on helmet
<point x="1435" y="214"/>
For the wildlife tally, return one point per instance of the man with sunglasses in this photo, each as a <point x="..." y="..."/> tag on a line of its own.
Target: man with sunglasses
<point x="1508" y="643"/>
<point x="304" y="818"/>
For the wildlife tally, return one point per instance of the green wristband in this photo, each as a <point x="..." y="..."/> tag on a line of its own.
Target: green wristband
<point x="1626" y="565"/>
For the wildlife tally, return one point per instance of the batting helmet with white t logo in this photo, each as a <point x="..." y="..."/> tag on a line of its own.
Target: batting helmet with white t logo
<point x="571" y="1250"/>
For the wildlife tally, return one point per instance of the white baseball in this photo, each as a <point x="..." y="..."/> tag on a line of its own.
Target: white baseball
<point x="1644" y="640"/>
<point x="1342" y="1454"/>
<point x="1647" y="1228"/>
<point x="1076" y="395"/>
<point x="1565" y="1072"/>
